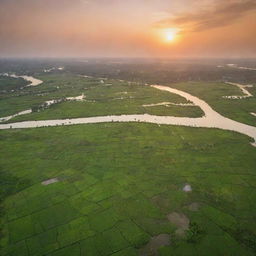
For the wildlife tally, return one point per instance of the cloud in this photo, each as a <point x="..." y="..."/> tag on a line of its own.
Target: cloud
<point x="221" y="13"/>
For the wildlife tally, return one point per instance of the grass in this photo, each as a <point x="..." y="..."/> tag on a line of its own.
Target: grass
<point x="116" y="98"/>
<point x="105" y="100"/>
<point x="9" y="84"/>
<point x="110" y="200"/>
<point x="238" y="110"/>
<point x="119" y="181"/>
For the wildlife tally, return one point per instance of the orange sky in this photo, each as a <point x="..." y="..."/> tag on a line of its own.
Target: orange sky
<point x="134" y="28"/>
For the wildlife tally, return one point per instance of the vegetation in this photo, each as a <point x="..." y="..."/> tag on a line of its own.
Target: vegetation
<point x="195" y="233"/>
<point x="112" y="97"/>
<point x="8" y="84"/>
<point x="106" y="189"/>
<point x="235" y="109"/>
<point x="116" y="183"/>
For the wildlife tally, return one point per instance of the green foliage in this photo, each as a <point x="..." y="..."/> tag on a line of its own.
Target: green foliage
<point x="212" y="92"/>
<point x="117" y="182"/>
<point x="73" y="250"/>
<point x="246" y="237"/>
<point x="132" y="233"/>
<point x="9" y="84"/>
<point x="115" y="99"/>
<point x="10" y="184"/>
<point x="194" y="233"/>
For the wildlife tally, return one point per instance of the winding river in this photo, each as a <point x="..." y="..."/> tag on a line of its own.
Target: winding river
<point x="47" y="103"/>
<point x="242" y="87"/>
<point x="211" y="119"/>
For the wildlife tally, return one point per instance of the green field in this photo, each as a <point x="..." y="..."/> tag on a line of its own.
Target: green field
<point x="119" y="182"/>
<point x="113" y="97"/>
<point x="8" y="84"/>
<point x="105" y="99"/>
<point x="212" y="93"/>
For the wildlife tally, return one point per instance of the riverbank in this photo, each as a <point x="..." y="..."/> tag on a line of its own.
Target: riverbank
<point x="212" y="119"/>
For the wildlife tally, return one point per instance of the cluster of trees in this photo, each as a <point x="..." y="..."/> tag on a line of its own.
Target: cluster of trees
<point x="9" y="84"/>
<point x="164" y="72"/>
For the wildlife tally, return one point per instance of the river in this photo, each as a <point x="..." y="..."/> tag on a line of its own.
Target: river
<point x="211" y="119"/>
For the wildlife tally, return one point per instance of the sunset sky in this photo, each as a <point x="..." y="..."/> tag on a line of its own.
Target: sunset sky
<point x="133" y="28"/>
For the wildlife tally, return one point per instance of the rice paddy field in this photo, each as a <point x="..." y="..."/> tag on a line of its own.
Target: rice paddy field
<point x="125" y="189"/>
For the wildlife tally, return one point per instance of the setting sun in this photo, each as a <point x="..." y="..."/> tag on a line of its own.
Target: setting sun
<point x="170" y="34"/>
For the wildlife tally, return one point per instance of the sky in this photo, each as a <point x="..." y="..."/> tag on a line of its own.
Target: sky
<point x="128" y="28"/>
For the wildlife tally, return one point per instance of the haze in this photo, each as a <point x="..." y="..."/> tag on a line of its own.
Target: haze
<point x="134" y="28"/>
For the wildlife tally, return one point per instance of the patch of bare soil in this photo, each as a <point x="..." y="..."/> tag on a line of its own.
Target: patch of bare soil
<point x="181" y="221"/>
<point x="50" y="181"/>
<point x="194" y="207"/>
<point x="151" y="249"/>
<point x="161" y="202"/>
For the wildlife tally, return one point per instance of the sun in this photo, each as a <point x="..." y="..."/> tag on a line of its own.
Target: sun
<point x="170" y="34"/>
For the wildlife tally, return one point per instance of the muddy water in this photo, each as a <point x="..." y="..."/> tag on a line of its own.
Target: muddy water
<point x="77" y="98"/>
<point x="47" y="103"/>
<point x="212" y="119"/>
<point x="33" y="81"/>
<point x="4" y="119"/>
<point x="167" y="104"/>
<point x="242" y="88"/>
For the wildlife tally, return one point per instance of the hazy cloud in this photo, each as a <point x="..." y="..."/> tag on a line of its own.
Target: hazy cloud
<point x="124" y="28"/>
<point x="220" y="14"/>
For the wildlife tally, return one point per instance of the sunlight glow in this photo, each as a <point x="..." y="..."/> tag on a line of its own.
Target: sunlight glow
<point x="170" y="34"/>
